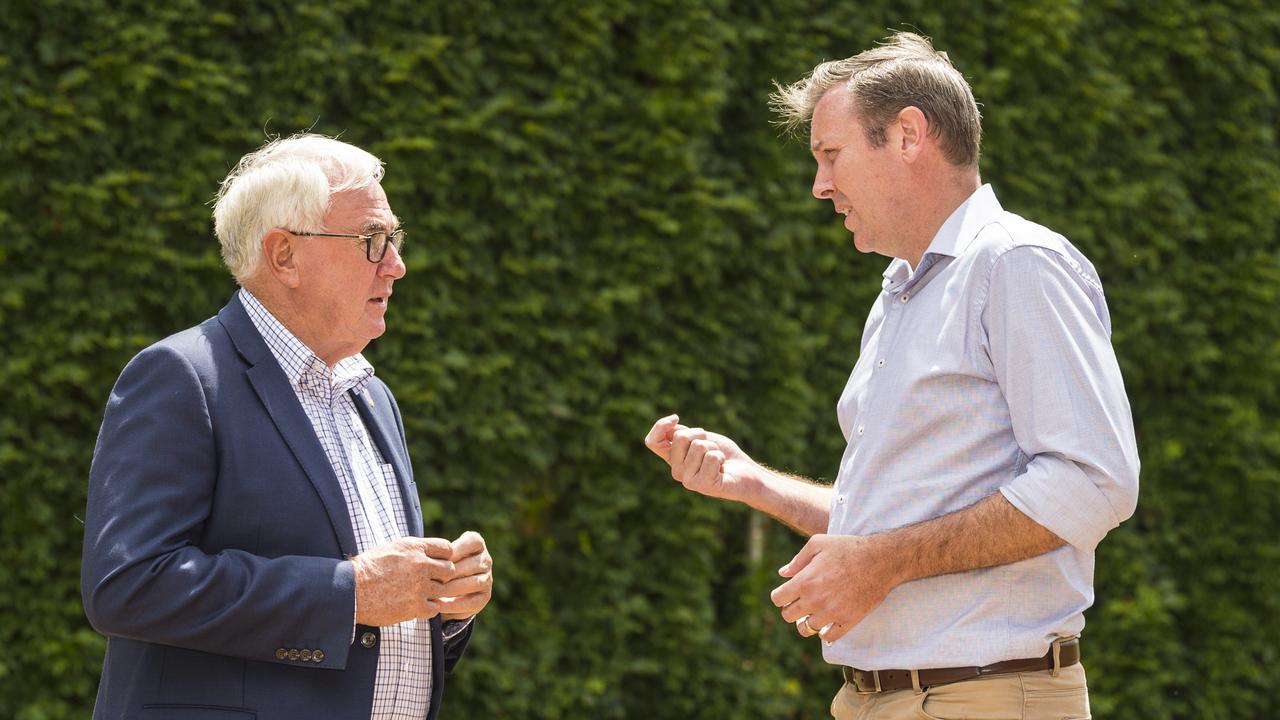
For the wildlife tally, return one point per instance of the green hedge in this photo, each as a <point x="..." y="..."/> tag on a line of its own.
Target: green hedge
<point x="605" y="227"/>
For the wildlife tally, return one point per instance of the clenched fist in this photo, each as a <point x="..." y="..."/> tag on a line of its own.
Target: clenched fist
<point x="705" y="462"/>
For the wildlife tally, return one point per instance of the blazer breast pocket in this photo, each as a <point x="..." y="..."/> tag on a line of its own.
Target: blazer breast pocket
<point x="195" y="712"/>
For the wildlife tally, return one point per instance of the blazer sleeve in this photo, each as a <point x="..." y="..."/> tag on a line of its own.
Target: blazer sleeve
<point x="144" y="575"/>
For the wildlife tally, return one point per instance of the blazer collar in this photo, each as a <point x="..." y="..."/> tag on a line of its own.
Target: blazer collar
<point x="277" y="396"/>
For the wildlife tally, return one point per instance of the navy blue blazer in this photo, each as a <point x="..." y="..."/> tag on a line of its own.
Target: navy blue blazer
<point x="216" y="539"/>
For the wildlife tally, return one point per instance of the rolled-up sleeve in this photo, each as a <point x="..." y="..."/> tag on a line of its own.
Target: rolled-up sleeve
<point x="1048" y="335"/>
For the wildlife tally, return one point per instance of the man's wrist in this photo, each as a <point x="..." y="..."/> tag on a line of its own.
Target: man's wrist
<point x="749" y="488"/>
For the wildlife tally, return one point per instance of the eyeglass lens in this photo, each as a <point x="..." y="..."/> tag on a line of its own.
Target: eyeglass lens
<point x="378" y="244"/>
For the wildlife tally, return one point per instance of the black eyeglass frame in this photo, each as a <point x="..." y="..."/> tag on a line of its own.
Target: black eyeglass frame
<point x="395" y="237"/>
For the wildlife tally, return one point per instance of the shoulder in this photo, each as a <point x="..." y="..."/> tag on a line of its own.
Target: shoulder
<point x="191" y="353"/>
<point x="1011" y="247"/>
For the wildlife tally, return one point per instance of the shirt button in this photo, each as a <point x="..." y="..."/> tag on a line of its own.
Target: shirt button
<point x="317" y="656"/>
<point x="368" y="640"/>
<point x="861" y="428"/>
<point x="281" y="653"/>
<point x="840" y="499"/>
<point x="881" y="363"/>
<point x="906" y="297"/>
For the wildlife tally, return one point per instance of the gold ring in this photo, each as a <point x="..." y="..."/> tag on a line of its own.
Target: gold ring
<point x="812" y="629"/>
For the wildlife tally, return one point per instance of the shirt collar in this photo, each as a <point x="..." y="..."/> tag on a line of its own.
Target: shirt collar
<point x="303" y="368"/>
<point x="951" y="240"/>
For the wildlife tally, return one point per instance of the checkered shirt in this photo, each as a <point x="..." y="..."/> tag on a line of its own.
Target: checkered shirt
<point x="402" y="684"/>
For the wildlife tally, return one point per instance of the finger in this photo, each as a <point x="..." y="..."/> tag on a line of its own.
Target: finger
<point x="442" y="570"/>
<point x="709" y="471"/>
<point x="802" y="628"/>
<point x="468" y="543"/>
<point x="463" y="605"/>
<point x="429" y="609"/>
<point x="785" y="594"/>
<point x="659" y="438"/>
<point x="680" y="442"/>
<point x="833" y="632"/>
<point x="694" y="461"/>
<point x="804" y="557"/>
<point x="682" y="439"/>
<point x="477" y="564"/>
<point x="796" y="610"/>
<point x="432" y="590"/>
<point x="817" y="621"/>
<point x="467" y="585"/>
<point x="438" y="548"/>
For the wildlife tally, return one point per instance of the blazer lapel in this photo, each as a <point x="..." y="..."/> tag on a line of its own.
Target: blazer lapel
<point x="277" y="396"/>
<point x="380" y="422"/>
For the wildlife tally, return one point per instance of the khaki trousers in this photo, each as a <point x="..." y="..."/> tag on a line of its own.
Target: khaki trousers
<point x="1017" y="696"/>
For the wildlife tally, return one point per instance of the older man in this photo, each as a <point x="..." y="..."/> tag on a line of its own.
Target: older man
<point x="253" y="544"/>
<point x="990" y="442"/>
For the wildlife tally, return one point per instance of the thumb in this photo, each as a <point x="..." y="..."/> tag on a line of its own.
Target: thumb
<point x="802" y="558"/>
<point x="659" y="438"/>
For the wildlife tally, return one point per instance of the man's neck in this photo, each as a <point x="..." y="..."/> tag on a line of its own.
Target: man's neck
<point x="283" y="309"/>
<point x="931" y="210"/>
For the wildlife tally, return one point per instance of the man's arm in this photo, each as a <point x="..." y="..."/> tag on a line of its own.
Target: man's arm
<point x="1048" y="337"/>
<point x="145" y="575"/>
<point x="714" y="465"/>
<point x="837" y="580"/>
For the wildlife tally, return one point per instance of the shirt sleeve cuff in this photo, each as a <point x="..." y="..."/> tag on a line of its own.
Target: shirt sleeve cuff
<point x="452" y="628"/>
<point x="1063" y="497"/>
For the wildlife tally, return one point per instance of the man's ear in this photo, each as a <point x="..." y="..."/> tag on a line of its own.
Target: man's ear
<point x="913" y="127"/>
<point x="278" y="256"/>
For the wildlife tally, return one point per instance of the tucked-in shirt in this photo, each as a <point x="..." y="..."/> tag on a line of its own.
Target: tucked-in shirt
<point x="987" y="368"/>
<point x="402" y="684"/>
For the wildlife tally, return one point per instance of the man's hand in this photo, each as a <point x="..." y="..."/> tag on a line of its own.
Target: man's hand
<point x="705" y="462"/>
<point x="400" y="580"/>
<point x="472" y="585"/>
<point x="836" y="581"/>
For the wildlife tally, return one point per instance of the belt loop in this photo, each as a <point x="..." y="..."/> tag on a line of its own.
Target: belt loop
<point x="876" y="674"/>
<point x="1057" y="656"/>
<point x="915" y="681"/>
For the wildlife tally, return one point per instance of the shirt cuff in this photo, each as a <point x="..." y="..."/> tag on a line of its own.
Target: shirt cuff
<point x="452" y="628"/>
<point x="1065" y="498"/>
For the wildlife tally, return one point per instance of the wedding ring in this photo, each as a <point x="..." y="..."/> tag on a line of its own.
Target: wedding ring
<point x="812" y="629"/>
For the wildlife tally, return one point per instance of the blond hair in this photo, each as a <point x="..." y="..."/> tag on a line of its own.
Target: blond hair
<point x="903" y="71"/>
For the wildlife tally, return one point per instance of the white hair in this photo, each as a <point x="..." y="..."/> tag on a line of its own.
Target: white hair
<point x="286" y="183"/>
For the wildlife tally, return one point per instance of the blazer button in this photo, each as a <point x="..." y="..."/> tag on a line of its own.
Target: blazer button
<point x="368" y="640"/>
<point x="281" y="653"/>
<point x="293" y="654"/>
<point x="317" y="656"/>
<point x="305" y="656"/>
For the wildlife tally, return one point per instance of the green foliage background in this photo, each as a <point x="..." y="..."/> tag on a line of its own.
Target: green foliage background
<point x="604" y="228"/>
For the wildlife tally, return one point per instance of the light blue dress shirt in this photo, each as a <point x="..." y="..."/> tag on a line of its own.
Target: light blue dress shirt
<point x="988" y="368"/>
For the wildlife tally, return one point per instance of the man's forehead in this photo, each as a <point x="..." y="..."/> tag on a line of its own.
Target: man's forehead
<point x="367" y="206"/>
<point x="830" y="115"/>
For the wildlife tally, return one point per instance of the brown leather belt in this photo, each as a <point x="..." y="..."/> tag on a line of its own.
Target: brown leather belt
<point x="1064" y="652"/>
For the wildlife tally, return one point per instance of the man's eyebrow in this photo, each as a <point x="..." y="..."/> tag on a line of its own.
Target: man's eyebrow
<point x="374" y="225"/>
<point x="815" y="146"/>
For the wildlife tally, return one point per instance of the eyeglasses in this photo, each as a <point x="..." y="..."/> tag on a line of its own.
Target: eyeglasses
<point x="375" y="244"/>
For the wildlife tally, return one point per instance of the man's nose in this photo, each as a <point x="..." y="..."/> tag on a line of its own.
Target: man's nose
<point x="823" y="188"/>
<point x="392" y="264"/>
